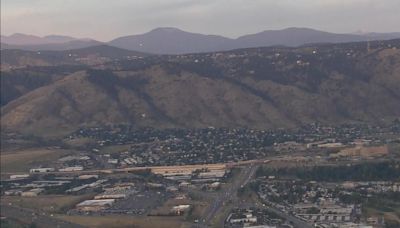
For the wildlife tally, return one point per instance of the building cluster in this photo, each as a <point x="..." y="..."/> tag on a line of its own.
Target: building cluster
<point x="255" y="218"/>
<point x="323" y="204"/>
<point x="107" y="198"/>
<point x="123" y="192"/>
<point x="207" y="178"/>
<point x="70" y="163"/>
<point x="30" y="185"/>
<point x="153" y="147"/>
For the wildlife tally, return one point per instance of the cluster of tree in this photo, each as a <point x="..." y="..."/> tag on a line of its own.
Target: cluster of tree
<point x="383" y="171"/>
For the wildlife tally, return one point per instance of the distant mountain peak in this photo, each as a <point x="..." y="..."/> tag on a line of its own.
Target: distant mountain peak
<point x="164" y="30"/>
<point x="167" y="29"/>
<point x="58" y="36"/>
<point x="20" y="34"/>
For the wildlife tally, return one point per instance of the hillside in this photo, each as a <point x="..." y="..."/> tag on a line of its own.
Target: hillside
<point x="14" y="58"/>
<point x="18" y="82"/>
<point x="257" y="88"/>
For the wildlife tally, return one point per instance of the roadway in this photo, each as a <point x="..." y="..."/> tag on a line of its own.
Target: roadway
<point x="230" y="194"/>
<point x="298" y="223"/>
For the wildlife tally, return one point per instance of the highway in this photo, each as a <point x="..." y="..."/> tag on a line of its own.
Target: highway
<point x="230" y="194"/>
<point x="295" y="221"/>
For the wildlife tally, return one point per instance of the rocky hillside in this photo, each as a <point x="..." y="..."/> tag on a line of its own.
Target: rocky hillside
<point x="256" y="88"/>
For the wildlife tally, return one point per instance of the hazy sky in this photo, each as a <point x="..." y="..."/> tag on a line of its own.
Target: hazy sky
<point x="107" y="19"/>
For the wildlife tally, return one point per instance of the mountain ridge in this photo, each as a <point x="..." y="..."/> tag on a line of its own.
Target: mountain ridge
<point x="92" y="55"/>
<point x="171" y="40"/>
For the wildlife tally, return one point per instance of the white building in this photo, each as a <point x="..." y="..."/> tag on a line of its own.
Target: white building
<point x="71" y="169"/>
<point x="41" y="170"/>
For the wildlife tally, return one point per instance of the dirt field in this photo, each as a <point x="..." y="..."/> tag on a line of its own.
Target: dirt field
<point x="22" y="161"/>
<point x="115" y="149"/>
<point x="48" y="203"/>
<point x="388" y="215"/>
<point x="197" y="211"/>
<point x="122" y="221"/>
<point x="373" y="151"/>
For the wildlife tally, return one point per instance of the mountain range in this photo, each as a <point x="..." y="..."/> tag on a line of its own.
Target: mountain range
<point x="263" y="88"/>
<point x="23" y="39"/>
<point x="170" y="40"/>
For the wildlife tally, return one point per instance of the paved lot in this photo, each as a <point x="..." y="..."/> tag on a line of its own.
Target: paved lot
<point x="140" y="203"/>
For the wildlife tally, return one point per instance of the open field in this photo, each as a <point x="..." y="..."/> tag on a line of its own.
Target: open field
<point x="115" y="149"/>
<point x="392" y="216"/>
<point x="22" y="161"/>
<point x="394" y="148"/>
<point x="11" y="223"/>
<point x="389" y="216"/>
<point x="389" y="208"/>
<point x="121" y="221"/>
<point x="81" y="142"/>
<point x="372" y="151"/>
<point x="48" y="203"/>
<point x="199" y="208"/>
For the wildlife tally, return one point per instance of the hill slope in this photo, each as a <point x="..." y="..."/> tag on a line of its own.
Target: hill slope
<point x="14" y="58"/>
<point x="256" y="88"/>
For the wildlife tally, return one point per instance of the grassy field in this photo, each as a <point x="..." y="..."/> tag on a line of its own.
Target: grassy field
<point x="48" y="203"/>
<point x="23" y="160"/>
<point x="390" y="217"/>
<point x="122" y="221"/>
<point x="389" y="208"/>
<point x="11" y="223"/>
<point x="394" y="148"/>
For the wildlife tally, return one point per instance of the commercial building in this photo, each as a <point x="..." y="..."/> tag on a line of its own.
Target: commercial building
<point x="41" y="170"/>
<point x="71" y="169"/>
